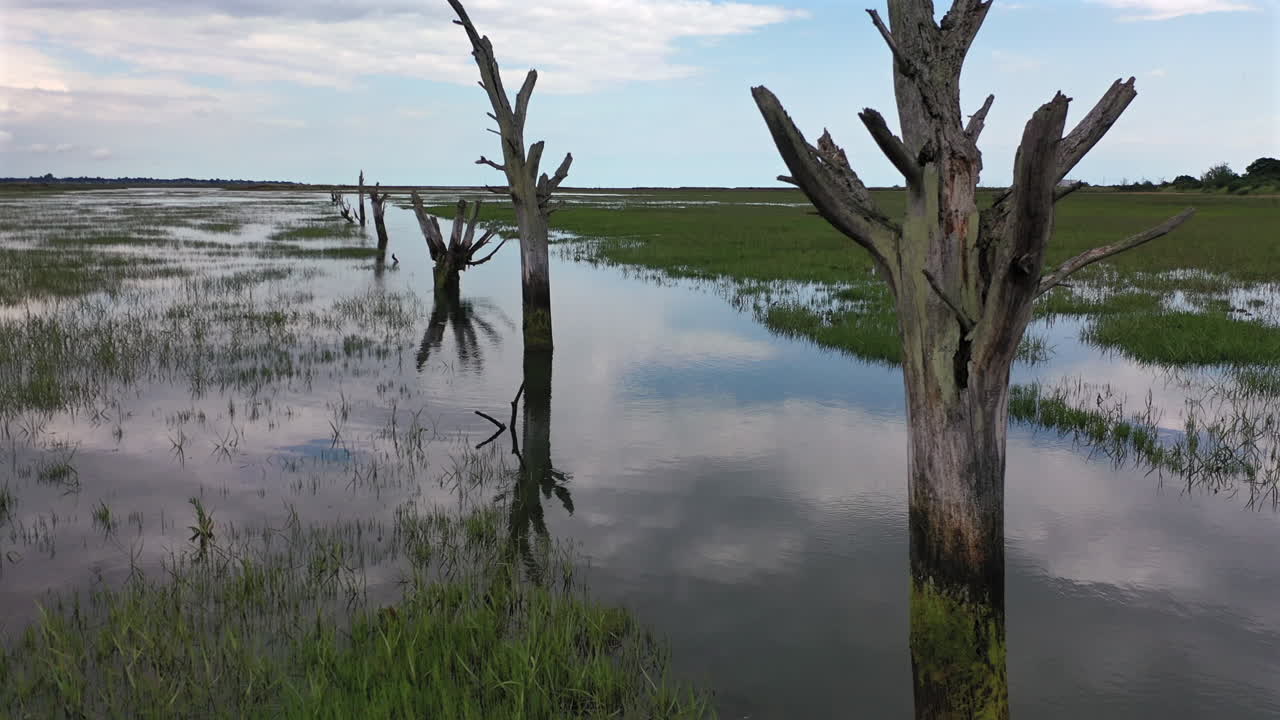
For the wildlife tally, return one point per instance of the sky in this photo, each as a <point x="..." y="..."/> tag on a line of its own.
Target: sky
<point x="642" y="92"/>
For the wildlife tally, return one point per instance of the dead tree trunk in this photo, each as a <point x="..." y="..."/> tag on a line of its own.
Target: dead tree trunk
<point x="964" y="282"/>
<point x="378" y="202"/>
<point x="530" y="193"/>
<point x="344" y="208"/>
<point x="360" y="192"/>
<point x="460" y="253"/>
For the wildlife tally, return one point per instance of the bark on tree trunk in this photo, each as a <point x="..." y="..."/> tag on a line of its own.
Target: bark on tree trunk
<point x="963" y="282"/>
<point x="535" y="277"/>
<point x="529" y="192"/>
<point x="378" y="201"/>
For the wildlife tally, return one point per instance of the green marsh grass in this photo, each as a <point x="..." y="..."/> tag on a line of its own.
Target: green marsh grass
<point x="1187" y="338"/>
<point x="281" y="626"/>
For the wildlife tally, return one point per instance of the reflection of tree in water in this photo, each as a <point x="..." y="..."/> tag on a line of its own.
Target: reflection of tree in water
<point x="537" y="478"/>
<point x="466" y="319"/>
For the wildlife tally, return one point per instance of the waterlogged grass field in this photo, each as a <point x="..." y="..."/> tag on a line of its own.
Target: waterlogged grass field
<point x="238" y="473"/>
<point x="223" y="494"/>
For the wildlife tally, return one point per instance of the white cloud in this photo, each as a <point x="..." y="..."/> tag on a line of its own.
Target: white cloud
<point x="5" y="137"/>
<point x="38" y="148"/>
<point x="1168" y="9"/>
<point x="63" y="147"/>
<point x="100" y="153"/>
<point x="1158" y="73"/>
<point x="580" y="45"/>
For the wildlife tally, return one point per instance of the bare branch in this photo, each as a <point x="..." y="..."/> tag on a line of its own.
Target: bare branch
<point x="1090" y="130"/>
<point x="1031" y="213"/>
<point x="486" y="161"/>
<point x="1089" y="257"/>
<point x="484" y="240"/>
<point x="1064" y="190"/>
<point x="788" y="179"/>
<point x="471" y="226"/>
<point x="534" y="159"/>
<point x="966" y="323"/>
<point x="978" y="119"/>
<point x="482" y="50"/>
<point x="908" y="68"/>
<point x="838" y="196"/>
<point x="497" y="190"/>
<point x="459" y="222"/>
<point x="547" y="186"/>
<point x="495" y="132"/>
<point x="891" y="146"/>
<point x="485" y="259"/>
<point x="522" y="97"/>
<point x="430" y="228"/>
<point x="834" y="157"/>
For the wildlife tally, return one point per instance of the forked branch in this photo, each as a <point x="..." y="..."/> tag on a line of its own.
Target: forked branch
<point x="1089" y="257"/>
<point x="824" y="174"/>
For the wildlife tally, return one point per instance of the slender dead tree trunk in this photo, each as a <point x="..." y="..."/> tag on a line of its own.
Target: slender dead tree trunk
<point x="530" y="193"/>
<point x="460" y="253"/>
<point x="378" y="201"/>
<point x="964" y="282"/>
<point x="360" y="191"/>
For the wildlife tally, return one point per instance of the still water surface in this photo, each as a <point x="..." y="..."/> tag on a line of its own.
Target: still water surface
<point x="744" y="494"/>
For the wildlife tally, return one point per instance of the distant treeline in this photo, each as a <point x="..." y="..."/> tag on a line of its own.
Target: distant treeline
<point x="1260" y="176"/>
<point x="49" y="179"/>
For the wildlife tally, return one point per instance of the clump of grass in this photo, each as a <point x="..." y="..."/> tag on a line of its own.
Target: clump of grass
<point x="1064" y="301"/>
<point x="869" y="334"/>
<point x="59" y="472"/>
<point x="1214" y="450"/>
<point x="1034" y="349"/>
<point x="8" y="501"/>
<point x="1186" y="338"/>
<point x="103" y="517"/>
<point x="220" y="227"/>
<point x="202" y="532"/>
<point x="327" y="231"/>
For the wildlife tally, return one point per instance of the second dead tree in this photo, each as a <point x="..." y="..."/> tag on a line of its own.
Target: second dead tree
<point x="460" y="252"/>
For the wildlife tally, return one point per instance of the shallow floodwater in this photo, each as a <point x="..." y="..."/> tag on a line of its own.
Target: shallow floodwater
<point x="743" y="493"/>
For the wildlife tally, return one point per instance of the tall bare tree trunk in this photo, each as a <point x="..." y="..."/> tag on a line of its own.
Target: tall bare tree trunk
<point x="361" y="193"/>
<point x="530" y="193"/>
<point x="964" y="282"/>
